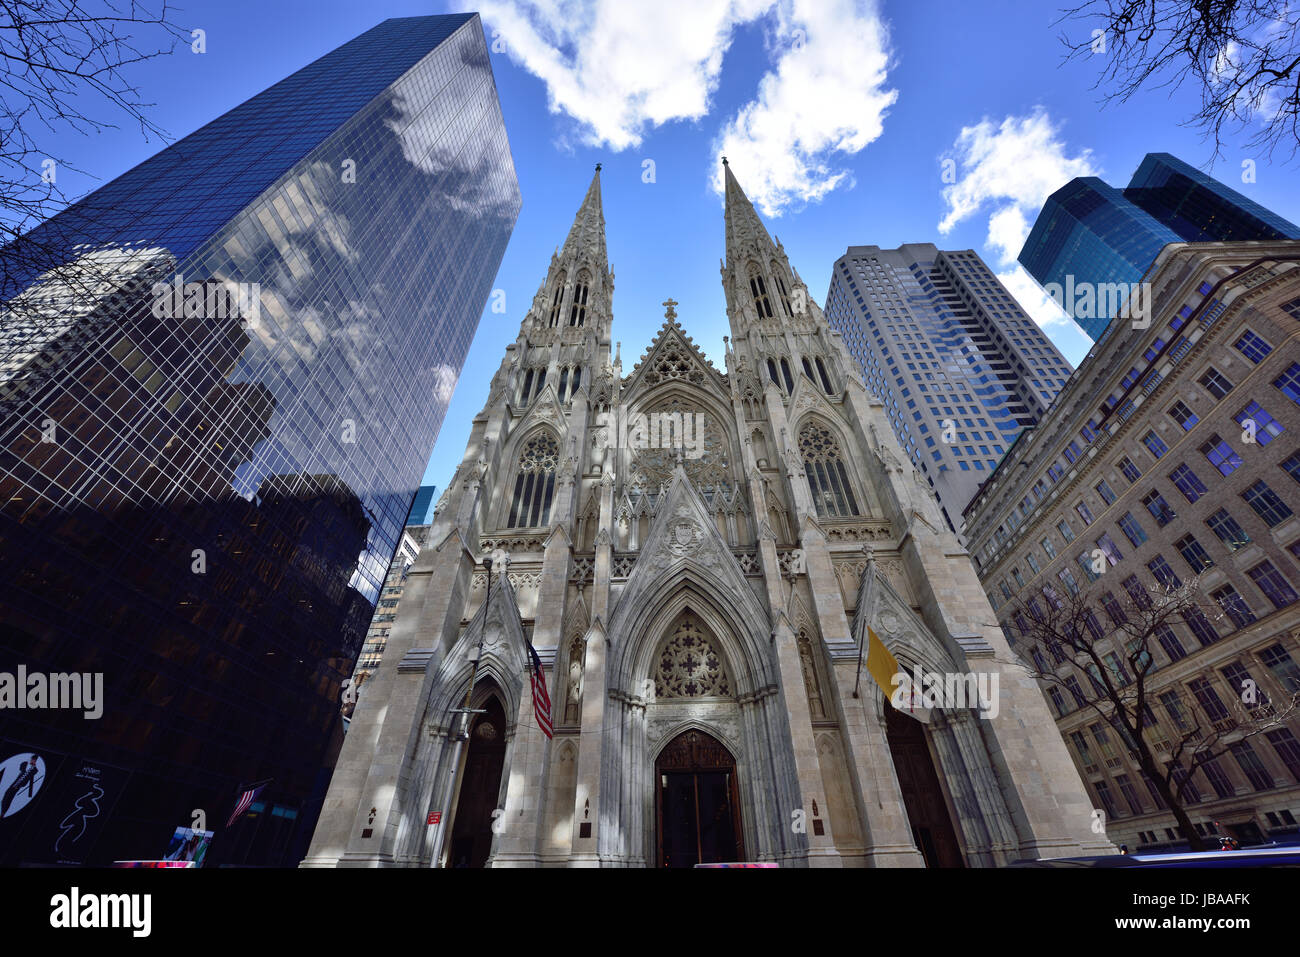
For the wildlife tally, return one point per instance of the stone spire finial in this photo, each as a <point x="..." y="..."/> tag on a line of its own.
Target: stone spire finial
<point x="744" y="228"/>
<point x="671" y="313"/>
<point x="588" y="230"/>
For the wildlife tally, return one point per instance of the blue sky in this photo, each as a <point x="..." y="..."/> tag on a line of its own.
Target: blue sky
<point x="837" y="116"/>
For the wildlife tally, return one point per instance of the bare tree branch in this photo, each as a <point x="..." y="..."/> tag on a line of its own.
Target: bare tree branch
<point x="64" y="66"/>
<point x="1242" y="56"/>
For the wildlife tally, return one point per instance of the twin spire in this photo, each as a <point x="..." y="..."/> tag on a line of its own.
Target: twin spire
<point x="743" y="225"/>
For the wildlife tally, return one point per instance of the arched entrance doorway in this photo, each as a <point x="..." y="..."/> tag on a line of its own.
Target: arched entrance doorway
<point x="471" y="836"/>
<point x="922" y="795"/>
<point x="697" y="803"/>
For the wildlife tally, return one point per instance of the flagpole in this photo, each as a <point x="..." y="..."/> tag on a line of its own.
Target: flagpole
<point x="868" y="600"/>
<point x="463" y="735"/>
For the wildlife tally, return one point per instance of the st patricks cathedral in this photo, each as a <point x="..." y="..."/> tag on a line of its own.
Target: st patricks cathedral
<point x="700" y="609"/>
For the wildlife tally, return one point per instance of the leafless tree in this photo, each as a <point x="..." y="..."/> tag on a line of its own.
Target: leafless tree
<point x="66" y="68"/>
<point x="1242" y="55"/>
<point x="1109" y="668"/>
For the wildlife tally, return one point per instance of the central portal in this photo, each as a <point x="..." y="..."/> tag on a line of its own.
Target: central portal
<point x="697" y="803"/>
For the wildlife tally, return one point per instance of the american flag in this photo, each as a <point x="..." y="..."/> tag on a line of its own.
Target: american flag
<point x="541" y="700"/>
<point x="246" y="799"/>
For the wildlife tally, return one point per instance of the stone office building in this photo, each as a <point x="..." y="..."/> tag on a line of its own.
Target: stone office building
<point x="1145" y="458"/>
<point x="699" y="610"/>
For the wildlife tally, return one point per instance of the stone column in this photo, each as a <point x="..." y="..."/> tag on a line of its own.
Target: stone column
<point x="993" y="807"/>
<point x="373" y="769"/>
<point x="587" y="794"/>
<point x="821" y="847"/>
<point x="886" y="832"/>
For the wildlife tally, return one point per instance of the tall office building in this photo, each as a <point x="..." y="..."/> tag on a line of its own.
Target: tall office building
<point x="214" y="414"/>
<point x="1198" y="207"/>
<point x="960" y="367"/>
<point x="1171" y="458"/>
<point x="1094" y="243"/>
<point x="372" y="652"/>
<point x="422" y="508"/>
<point x="1087" y="237"/>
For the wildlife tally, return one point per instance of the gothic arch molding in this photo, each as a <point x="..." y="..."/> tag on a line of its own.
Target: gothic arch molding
<point x="864" y="490"/>
<point x="739" y="627"/>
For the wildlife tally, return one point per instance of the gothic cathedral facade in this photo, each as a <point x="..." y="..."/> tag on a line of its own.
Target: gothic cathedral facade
<point x="700" y="609"/>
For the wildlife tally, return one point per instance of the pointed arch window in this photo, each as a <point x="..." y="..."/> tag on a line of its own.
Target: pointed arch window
<point x="570" y="378"/>
<point x="534" y="483"/>
<point x="827" y="478"/>
<point x="578" y="311"/>
<point x="808" y="371"/>
<point x="534" y="379"/>
<point x="780" y="288"/>
<point x="826" y="380"/>
<point x="771" y="371"/>
<point x="789" y="379"/>
<point x="556" y="300"/>
<point x="759" y="292"/>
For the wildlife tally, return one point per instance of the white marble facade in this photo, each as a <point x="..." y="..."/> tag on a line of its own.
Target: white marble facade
<point x="712" y="591"/>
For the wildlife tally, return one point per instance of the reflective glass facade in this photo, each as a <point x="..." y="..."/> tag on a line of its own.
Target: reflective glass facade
<point x="1090" y="233"/>
<point x="208" y="453"/>
<point x="1198" y="207"/>
<point x="940" y="340"/>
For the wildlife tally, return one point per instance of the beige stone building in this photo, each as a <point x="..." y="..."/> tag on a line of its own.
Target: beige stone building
<point x="696" y="555"/>
<point x="390" y="596"/>
<point x="1174" y="452"/>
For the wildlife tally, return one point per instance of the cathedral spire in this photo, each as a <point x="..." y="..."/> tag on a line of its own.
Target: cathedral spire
<point x="587" y="235"/>
<point x="745" y="231"/>
<point x="578" y="289"/>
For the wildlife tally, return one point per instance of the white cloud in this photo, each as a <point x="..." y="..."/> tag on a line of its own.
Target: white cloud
<point x="620" y="68"/>
<point x="1012" y="168"/>
<point x="444" y="383"/>
<point x="1008" y="170"/>
<point x="825" y="96"/>
<point x="1041" y="307"/>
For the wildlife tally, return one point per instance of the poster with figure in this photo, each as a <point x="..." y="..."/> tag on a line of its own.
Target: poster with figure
<point x="79" y="807"/>
<point x="66" y="812"/>
<point x="22" y="776"/>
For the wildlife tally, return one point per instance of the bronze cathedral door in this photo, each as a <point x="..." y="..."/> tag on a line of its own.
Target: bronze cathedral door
<point x="697" y="803"/>
<point x="922" y="795"/>
<point x="471" y="836"/>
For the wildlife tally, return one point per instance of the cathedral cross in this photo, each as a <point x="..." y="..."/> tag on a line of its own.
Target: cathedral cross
<point x="671" y="313"/>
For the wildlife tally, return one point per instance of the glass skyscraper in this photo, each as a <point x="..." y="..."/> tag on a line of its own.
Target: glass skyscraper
<point x="1198" y="207"/>
<point x="1092" y="238"/>
<point x="959" y="366"/>
<point x="422" y="507"/>
<point x="221" y="376"/>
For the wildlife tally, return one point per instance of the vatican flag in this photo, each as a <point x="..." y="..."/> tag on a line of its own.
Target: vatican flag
<point x="881" y="664"/>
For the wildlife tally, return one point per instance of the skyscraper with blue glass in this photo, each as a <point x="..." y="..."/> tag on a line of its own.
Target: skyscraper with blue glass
<point x="218" y="392"/>
<point x="960" y="367"/>
<point x="1092" y="244"/>
<point x="1198" y="207"/>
